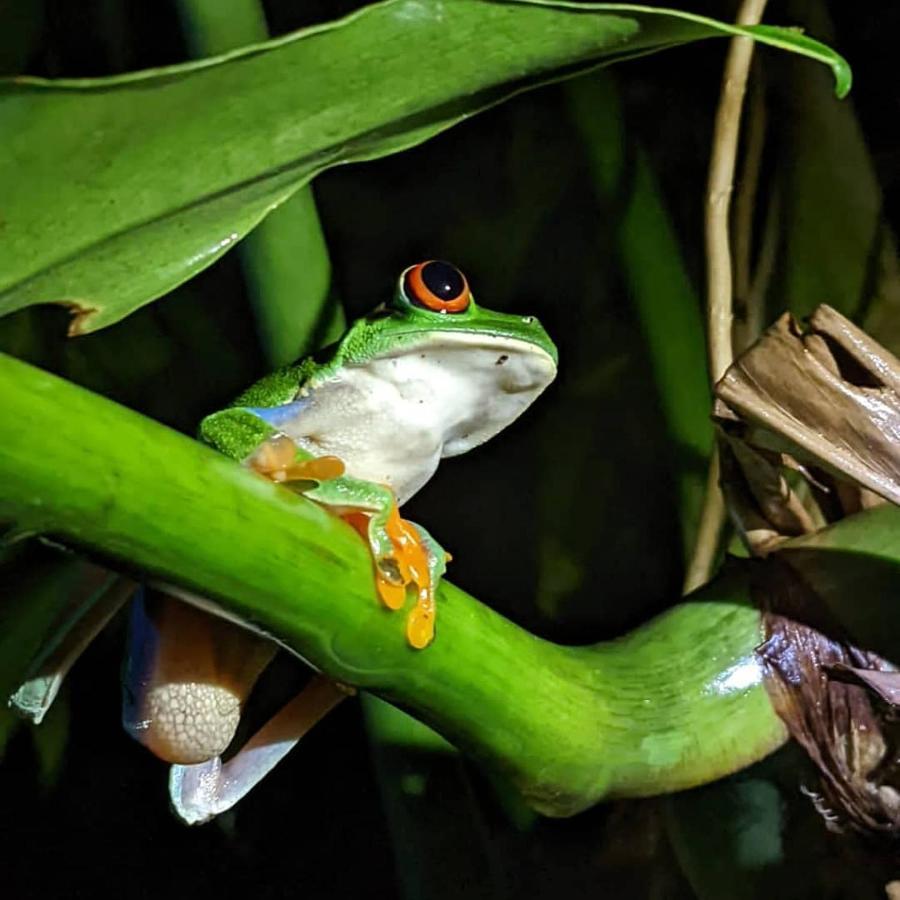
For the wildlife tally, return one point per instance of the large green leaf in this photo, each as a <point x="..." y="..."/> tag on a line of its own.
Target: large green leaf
<point x="116" y="190"/>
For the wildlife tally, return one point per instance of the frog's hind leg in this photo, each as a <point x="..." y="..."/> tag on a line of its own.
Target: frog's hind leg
<point x="189" y="674"/>
<point x="202" y="791"/>
<point x="186" y="681"/>
<point x="186" y="678"/>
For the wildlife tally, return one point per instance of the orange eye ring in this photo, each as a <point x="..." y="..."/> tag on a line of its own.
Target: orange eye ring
<point x="438" y="286"/>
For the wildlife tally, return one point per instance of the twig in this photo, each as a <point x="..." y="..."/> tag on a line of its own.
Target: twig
<point x="719" y="270"/>
<point x="712" y="518"/>
<point x="745" y="205"/>
<point x="718" y="194"/>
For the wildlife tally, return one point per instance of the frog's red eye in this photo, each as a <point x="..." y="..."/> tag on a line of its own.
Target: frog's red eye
<point x="437" y="286"/>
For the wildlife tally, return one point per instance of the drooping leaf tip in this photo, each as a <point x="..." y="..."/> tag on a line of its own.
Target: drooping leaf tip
<point x="794" y="40"/>
<point x="843" y="77"/>
<point x="80" y="323"/>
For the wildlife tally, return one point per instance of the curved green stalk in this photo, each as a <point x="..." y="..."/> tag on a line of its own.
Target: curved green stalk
<point x="677" y="702"/>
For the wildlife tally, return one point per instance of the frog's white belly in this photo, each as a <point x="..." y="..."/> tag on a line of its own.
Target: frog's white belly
<point x="392" y="419"/>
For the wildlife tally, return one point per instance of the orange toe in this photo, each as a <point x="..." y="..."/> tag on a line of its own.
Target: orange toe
<point x="392" y="595"/>
<point x="273" y="456"/>
<point x="322" y="468"/>
<point x="420" y="627"/>
<point x="276" y="459"/>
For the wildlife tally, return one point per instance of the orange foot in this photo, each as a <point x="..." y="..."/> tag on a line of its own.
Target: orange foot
<point x="411" y="561"/>
<point x="276" y="459"/>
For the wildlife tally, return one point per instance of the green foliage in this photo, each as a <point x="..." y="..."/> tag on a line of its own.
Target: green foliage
<point x="579" y="203"/>
<point x="104" y="231"/>
<point x="285" y="259"/>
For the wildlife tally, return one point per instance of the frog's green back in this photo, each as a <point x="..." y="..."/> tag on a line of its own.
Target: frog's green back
<point x="279" y="387"/>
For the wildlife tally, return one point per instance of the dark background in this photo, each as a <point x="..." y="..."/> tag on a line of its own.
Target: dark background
<point x="84" y="814"/>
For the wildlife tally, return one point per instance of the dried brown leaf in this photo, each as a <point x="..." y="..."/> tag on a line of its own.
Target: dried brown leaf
<point x="885" y="684"/>
<point x="830" y="397"/>
<point x="830" y="694"/>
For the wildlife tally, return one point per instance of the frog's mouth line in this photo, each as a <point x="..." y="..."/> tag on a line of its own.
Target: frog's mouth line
<point x="505" y="347"/>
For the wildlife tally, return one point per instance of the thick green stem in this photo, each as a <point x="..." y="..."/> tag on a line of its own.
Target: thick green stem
<point x="677" y="702"/>
<point x="285" y="259"/>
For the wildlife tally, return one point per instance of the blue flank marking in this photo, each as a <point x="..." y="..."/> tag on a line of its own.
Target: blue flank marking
<point x="276" y="416"/>
<point x="142" y="650"/>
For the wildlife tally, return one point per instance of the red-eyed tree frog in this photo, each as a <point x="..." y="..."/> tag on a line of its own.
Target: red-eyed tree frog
<point x="358" y="428"/>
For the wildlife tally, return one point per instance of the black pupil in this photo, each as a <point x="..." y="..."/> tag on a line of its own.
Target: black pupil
<point x="443" y="280"/>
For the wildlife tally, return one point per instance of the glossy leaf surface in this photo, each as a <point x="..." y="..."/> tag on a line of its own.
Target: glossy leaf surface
<point x="116" y="190"/>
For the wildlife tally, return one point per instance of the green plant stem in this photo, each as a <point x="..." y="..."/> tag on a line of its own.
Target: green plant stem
<point x="285" y="258"/>
<point x="677" y="702"/>
<point x="665" y="303"/>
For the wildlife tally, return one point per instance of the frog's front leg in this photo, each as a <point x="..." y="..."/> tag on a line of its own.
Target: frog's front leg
<point x="421" y="620"/>
<point x="404" y="554"/>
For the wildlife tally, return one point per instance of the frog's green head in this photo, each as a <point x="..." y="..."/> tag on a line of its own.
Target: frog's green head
<point x="488" y="367"/>
<point x="434" y="296"/>
<point x="433" y="301"/>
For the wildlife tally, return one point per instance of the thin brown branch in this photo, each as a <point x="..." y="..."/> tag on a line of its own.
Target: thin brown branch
<point x="718" y="195"/>
<point x="712" y="518"/>
<point x="720" y="286"/>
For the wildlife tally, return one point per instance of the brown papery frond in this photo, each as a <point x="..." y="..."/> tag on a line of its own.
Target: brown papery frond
<point x="830" y="397"/>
